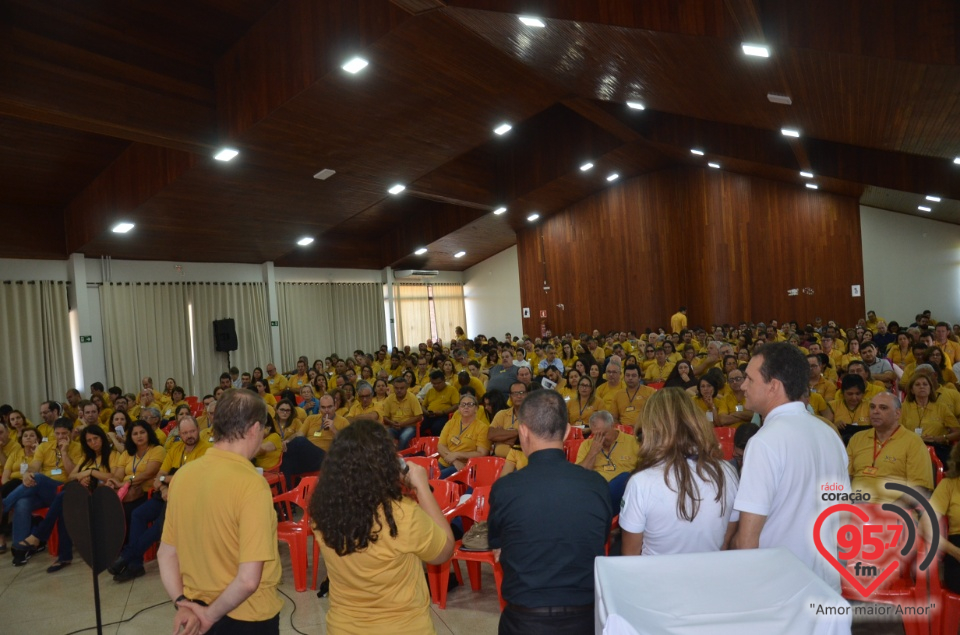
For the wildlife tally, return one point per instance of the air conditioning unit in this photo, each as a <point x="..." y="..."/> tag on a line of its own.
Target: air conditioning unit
<point x="415" y="273"/>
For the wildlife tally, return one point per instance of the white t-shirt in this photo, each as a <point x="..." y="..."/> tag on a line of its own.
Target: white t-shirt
<point x="650" y="507"/>
<point x="785" y="466"/>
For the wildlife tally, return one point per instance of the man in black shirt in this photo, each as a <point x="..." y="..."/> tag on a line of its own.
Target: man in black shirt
<point x="548" y="521"/>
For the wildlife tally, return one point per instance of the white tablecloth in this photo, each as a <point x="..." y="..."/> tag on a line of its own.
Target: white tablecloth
<point x="727" y="592"/>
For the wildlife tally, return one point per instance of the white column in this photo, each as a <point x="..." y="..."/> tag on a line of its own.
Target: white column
<point x="270" y="283"/>
<point x="389" y="308"/>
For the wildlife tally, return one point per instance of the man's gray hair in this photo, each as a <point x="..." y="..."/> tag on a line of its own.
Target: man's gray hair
<point x="602" y="416"/>
<point x="364" y="385"/>
<point x="151" y="411"/>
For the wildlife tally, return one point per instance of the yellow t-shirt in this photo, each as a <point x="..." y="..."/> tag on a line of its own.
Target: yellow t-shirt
<point x="825" y="388"/>
<point x="12" y="446"/>
<point x="606" y="392"/>
<point x="51" y="463"/>
<point x="578" y="414"/>
<point x="269" y="460"/>
<point x="627" y="405"/>
<point x="440" y="401"/>
<point x="15" y="459"/>
<point x="518" y="458"/>
<point x="623" y="456"/>
<point x="504" y="420"/>
<point x="134" y="466"/>
<point x="478" y="386"/>
<point x="382" y="589"/>
<point x="277" y="383"/>
<point x="818" y="403"/>
<point x="357" y="410"/>
<point x="401" y="409"/>
<point x="860" y="416"/>
<point x="223" y="493"/>
<point x="312" y="429"/>
<point x="946" y="502"/>
<point x="935" y="419"/>
<point x="177" y="456"/>
<point x="903" y="458"/>
<point x="296" y="382"/>
<point x="656" y="373"/>
<point x="471" y="438"/>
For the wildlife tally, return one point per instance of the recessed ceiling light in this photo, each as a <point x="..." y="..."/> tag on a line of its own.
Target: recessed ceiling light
<point x="354" y="65"/>
<point x="699" y="153"/>
<point x="935" y="199"/>
<point x="460" y="254"/>
<point x="532" y="21"/>
<point x="812" y="186"/>
<point x="924" y="208"/>
<point x="807" y="175"/>
<point x="500" y="210"/>
<point x="503" y="129"/>
<point x="306" y="240"/>
<point x="421" y="251"/>
<point x="636" y="105"/>
<point x="324" y="174"/>
<point x="586" y="166"/>
<point x="533" y="217"/>
<point x="957" y="160"/>
<point x="226" y="154"/>
<point x="613" y="177"/>
<point x="779" y="99"/>
<point x="714" y="165"/>
<point x="122" y="228"/>
<point x="789" y="132"/>
<point x="396" y="189"/>
<point x="757" y="50"/>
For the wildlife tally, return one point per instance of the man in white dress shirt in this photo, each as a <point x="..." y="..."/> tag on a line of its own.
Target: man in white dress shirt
<point x="787" y="464"/>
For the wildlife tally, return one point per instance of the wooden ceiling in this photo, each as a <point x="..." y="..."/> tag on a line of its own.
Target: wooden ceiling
<point x="112" y="110"/>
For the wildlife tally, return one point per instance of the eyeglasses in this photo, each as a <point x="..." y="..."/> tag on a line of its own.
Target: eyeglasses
<point x="468" y="404"/>
<point x="518" y="392"/>
<point x="736" y="378"/>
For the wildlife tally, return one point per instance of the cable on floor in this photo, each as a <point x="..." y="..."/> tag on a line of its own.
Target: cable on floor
<point x="94" y="627"/>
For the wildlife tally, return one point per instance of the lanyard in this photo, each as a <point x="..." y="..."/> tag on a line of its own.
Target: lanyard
<point x="876" y="450"/>
<point x="136" y="463"/>
<point x="607" y="454"/>
<point x="183" y="456"/>
<point x="635" y="393"/>
<point x="462" y="429"/>
<point x="59" y="458"/>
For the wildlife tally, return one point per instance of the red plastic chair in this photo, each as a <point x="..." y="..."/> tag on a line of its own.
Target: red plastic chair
<point x="447" y="494"/>
<point x="426" y="445"/>
<point x="295" y="533"/>
<point x="571" y="447"/>
<point x="430" y="464"/>
<point x="192" y="401"/>
<point x="724" y="433"/>
<point x="614" y="525"/>
<point x="946" y="620"/>
<point x="53" y="542"/>
<point x="937" y="466"/>
<point x="907" y="585"/>
<point x="480" y="471"/>
<point x="625" y="428"/>
<point x="477" y="508"/>
<point x="574" y="433"/>
<point x="657" y="385"/>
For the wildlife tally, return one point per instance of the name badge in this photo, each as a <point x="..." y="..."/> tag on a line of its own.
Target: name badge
<point x="629" y="409"/>
<point x="813" y="390"/>
<point x="210" y="439"/>
<point x="609" y="468"/>
<point x="580" y="422"/>
<point x="870" y="471"/>
<point x="318" y="433"/>
<point x="56" y="472"/>
<point x="739" y="408"/>
<point x="455" y="440"/>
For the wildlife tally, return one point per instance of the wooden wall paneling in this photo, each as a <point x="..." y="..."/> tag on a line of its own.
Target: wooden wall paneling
<point x="33" y="232"/>
<point x="725" y="245"/>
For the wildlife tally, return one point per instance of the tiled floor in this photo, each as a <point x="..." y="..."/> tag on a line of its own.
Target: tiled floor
<point x="37" y="603"/>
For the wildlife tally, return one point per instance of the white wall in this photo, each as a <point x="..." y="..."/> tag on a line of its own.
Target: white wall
<point x="910" y="264"/>
<point x="12" y="269"/>
<point x="491" y="292"/>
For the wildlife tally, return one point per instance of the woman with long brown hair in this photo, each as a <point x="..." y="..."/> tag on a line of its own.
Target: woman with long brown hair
<point x="680" y="499"/>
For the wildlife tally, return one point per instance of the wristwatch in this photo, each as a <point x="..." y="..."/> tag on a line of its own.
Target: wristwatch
<point x="178" y="600"/>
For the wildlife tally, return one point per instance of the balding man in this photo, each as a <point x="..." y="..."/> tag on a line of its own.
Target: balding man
<point x="276" y="381"/>
<point x="146" y="523"/>
<point x="546" y="544"/>
<point x="888" y="453"/>
<point x="608" y="390"/>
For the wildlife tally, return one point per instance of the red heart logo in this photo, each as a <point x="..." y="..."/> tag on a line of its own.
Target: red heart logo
<point x="831" y="558"/>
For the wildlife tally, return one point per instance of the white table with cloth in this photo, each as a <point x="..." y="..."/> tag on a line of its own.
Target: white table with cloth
<point x="717" y="593"/>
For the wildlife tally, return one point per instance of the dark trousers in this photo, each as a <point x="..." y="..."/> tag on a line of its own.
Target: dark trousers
<point x="142" y="536"/>
<point x="301" y="456"/>
<point x="54" y="518"/>
<point x="229" y="626"/>
<point x="851" y="430"/>
<point x="951" y="568"/>
<point x="433" y="426"/>
<point x="514" y="622"/>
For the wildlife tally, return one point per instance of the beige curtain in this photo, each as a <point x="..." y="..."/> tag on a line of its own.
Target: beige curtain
<point x="317" y="319"/>
<point x="413" y="314"/>
<point x="448" y="307"/>
<point x="146" y="330"/>
<point x="246" y="303"/>
<point x="36" y="360"/>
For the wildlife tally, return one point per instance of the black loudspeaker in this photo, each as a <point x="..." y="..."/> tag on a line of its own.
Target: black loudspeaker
<point x="225" y="335"/>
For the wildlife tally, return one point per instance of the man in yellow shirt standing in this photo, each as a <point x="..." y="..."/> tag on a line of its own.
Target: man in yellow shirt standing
<point x="224" y="580"/>
<point x="678" y="321"/>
